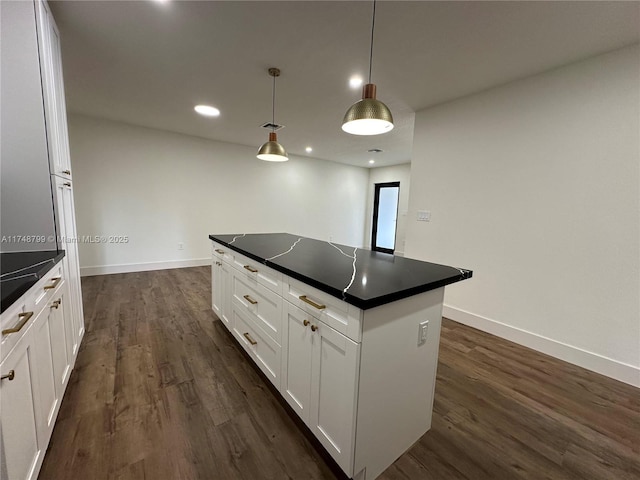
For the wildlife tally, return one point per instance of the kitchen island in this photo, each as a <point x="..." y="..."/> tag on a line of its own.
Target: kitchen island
<point x="349" y="337"/>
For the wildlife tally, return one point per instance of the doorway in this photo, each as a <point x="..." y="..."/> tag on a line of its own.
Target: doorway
<point x="385" y="217"/>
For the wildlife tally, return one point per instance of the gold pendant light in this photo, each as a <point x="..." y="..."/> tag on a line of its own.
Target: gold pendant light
<point x="368" y="116"/>
<point x="272" y="151"/>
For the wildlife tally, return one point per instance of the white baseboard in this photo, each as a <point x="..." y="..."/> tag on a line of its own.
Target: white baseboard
<point x="142" y="267"/>
<point x="591" y="361"/>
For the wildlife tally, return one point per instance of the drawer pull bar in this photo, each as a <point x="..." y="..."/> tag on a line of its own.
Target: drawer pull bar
<point x="219" y="251"/>
<point x="67" y="184"/>
<point x="314" y="328"/>
<point x="56" y="304"/>
<point x="66" y="172"/>
<point x="250" y="300"/>
<point x="251" y="269"/>
<point x="306" y="323"/>
<point x="311" y="302"/>
<point x="55" y="283"/>
<point x="9" y="376"/>
<point x="251" y="340"/>
<point x="219" y="264"/>
<point x="24" y="318"/>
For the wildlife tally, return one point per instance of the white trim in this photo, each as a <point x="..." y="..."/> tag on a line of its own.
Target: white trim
<point x="142" y="267"/>
<point x="591" y="361"/>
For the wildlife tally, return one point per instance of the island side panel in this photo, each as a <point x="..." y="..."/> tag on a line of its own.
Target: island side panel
<point x="397" y="379"/>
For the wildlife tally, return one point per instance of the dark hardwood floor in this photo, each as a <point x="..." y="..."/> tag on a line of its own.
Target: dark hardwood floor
<point x="161" y="391"/>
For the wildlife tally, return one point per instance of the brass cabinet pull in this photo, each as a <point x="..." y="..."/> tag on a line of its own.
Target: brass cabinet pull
<point x="55" y="281"/>
<point x="251" y="340"/>
<point x="311" y="302"/>
<point x="250" y="300"/>
<point x="250" y="268"/>
<point x="306" y="323"/>
<point x="219" y="251"/>
<point x="67" y="184"/>
<point x="66" y="172"/>
<point x="56" y="304"/>
<point x="219" y="264"/>
<point x="9" y="376"/>
<point x="314" y="328"/>
<point x="24" y="318"/>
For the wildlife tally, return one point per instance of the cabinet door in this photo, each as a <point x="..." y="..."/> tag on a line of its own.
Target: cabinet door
<point x="296" y="362"/>
<point x="59" y="330"/>
<point x="225" y="294"/>
<point x="67" y="229"/>
<point x="43" y="376"/>
<point x="19" y="447"/>
<point x="216" y="286"/>
<point x="334" y="372"/>
<point x="55" y="105"/>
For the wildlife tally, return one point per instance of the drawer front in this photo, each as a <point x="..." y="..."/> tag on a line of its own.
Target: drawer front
<point x="264" y="275"/>
<point x="17" y="319"/>
<point x="222" y="253"/>
<point x="260" y="304"/>
<point x="339" y="315"/>
<point x="263" y="349"/>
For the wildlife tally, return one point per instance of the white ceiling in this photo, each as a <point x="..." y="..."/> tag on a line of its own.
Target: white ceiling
<point x="148" y="63"/>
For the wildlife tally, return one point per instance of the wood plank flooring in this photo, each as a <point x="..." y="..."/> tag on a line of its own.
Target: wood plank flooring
<point x="161" y="391"/>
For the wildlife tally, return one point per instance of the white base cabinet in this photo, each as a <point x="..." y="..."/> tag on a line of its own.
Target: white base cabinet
<point x="359" y="379"/>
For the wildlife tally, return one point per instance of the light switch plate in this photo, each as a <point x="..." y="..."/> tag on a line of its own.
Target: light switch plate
<point x="422" y="332"/>
<point x="424" y="216"/>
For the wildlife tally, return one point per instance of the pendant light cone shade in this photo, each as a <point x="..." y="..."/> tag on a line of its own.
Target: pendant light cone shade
<point x="368" y="116"/>
<point x="272" y="151"/>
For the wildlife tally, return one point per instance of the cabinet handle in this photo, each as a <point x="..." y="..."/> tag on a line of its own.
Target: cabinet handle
<point x="314" y="328"/>
<point x="55" y="283"/>
<point x="66" y="172"/>
<point x="219" y="264"/>
<point x="9" y="376"/>
<point x="312" y="303"/>
<point x="251" y="340"/>
<point x="56" y="304"/>
<point x="219" y="251"/>
<point x="67" y="184"/>
<point x="306" y="323"/>
<point x="24" y="318"/>
<point x="250" y="300"/>
<point x="251" y="269"/>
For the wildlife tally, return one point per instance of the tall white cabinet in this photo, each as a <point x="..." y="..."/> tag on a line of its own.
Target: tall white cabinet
<point x="59" y="157"/>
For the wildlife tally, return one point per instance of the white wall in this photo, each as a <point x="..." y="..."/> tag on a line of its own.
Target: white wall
<point x="161" y="188"/>
<point x="535" y="187"/>
<point x="395" y="173"/>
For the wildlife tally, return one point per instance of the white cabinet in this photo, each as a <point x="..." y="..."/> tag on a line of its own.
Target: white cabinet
<point x="221" y="284"/>
<point x="319" y="381"/>
<point x="20" y="455"/>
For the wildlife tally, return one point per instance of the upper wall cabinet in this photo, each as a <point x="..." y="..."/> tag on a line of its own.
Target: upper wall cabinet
<point x="54" y="101"/>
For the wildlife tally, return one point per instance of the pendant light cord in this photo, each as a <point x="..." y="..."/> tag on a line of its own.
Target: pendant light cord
<point x="373" y="26"/>
<point x="273" y="105"/>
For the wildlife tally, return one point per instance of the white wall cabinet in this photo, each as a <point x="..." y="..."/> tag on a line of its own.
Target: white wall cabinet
<point x="359" y="379"/>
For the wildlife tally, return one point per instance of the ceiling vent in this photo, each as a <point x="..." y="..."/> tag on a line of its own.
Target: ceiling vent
<point x="272" y="126"/>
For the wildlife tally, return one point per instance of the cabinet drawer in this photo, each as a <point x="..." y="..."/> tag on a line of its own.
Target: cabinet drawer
<point x="22" y="313"/>
<point x="222" y="253"/>
<point x="262" y="305"/>
<point x="339" y="315"/>
<point x="264" y="351"/>
<point x="264" y="275"/>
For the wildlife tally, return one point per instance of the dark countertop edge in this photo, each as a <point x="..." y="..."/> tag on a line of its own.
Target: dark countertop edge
<point x="15" y="295"/>
<point x="355" y="301"/>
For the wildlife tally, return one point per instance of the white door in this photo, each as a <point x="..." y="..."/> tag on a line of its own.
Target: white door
<point x="59" y="330"/>
<point x="19" y="451"/>
<point x="334" y="390"/>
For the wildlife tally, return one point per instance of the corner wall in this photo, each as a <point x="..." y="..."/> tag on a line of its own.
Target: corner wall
<point x="160" y="189"/>
<point x="535" y="187"/>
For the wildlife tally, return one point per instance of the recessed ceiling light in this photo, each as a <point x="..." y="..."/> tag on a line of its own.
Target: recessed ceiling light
<point x="372" y="162"/>
<point x="207" y="110"/>
<point x="355" y="81"/>
<point x="308" y="149"/>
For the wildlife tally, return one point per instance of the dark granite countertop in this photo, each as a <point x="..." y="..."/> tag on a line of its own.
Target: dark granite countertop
<point x="21" y="270"/>
<point x="363" y="278"/>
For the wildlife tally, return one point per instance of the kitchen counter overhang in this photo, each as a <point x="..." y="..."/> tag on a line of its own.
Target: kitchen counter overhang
<point x="363" y="278"/>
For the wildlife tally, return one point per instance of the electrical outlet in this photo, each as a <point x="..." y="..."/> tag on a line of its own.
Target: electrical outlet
<point x="424" y="216"/>
<point x="422" y="332"/>
<point x="180" y="246"/>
